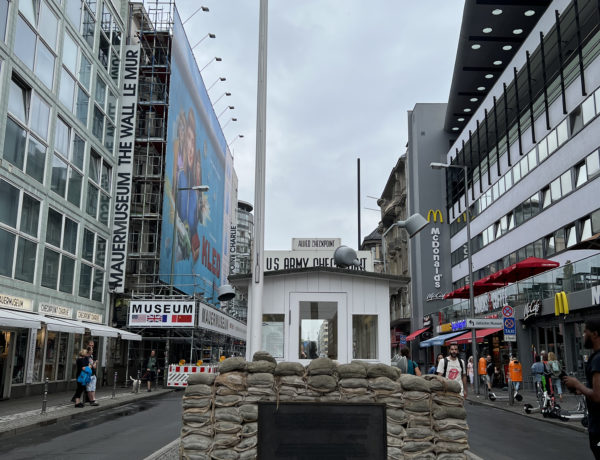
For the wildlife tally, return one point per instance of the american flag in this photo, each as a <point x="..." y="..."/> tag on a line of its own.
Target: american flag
<point x="138" y="318"/>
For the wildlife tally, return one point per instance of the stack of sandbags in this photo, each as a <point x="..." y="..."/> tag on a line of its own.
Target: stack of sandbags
<point x="289" y="381"/>
<point x="197" y="431"/>
<point x="448" y="418"/>
<point x="321" y="377"/>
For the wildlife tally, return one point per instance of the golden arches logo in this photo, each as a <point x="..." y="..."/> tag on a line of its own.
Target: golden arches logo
<point x="436" y="213"/>
<point x="561" y="304"/>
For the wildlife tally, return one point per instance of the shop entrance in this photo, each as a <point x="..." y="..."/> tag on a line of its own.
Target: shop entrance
<point x="5" y="358"/>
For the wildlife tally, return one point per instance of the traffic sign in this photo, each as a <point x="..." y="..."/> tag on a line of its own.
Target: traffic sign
<point x="510" y="337"/>
<point x="510" y="326"/>
<point x="484" y="323"/>
<point x="507" y="311"/>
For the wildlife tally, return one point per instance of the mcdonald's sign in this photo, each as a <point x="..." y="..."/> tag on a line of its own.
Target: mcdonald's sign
<point x="561" y="304"/>
<point x="436" y="213"/>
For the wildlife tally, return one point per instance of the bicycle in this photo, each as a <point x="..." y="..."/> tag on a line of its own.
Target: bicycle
<point x="547" y="404"/>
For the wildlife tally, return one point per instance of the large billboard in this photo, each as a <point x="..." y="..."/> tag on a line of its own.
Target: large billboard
<point x="192" y="227"/>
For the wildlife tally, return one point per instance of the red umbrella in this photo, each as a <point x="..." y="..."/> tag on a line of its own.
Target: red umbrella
<point x="486" y="280"/>
<point x="463" y="292"/>
<point x="524" y="269"/>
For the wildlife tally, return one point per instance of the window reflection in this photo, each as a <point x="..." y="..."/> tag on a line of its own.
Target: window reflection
<point x="318" y="330"/>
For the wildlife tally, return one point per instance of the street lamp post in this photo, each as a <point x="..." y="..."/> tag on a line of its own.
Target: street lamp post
<point x="465" y="170"/>
<point x="197" y="188"/>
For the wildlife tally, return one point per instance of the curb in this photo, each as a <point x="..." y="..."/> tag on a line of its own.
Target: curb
<point x="471" y="456"/>
<point x="569" y="425"/>
<point x="170" y="451"/>
<point x="31" y="423"/>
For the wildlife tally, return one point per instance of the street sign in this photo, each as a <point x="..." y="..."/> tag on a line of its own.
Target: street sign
<point x="510" y="326"/>
<point x="510" y="337"/>
<point x="507" y="311"/>
<point x="484" y="323"/>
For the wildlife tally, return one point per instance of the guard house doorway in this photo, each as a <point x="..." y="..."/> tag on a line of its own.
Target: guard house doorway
<point x="318" y="327"/>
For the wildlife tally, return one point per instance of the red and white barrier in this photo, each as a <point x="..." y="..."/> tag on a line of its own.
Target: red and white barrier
<point x="178" y="375"/>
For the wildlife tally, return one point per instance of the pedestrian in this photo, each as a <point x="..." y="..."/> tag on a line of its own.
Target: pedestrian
<point x="490" y="370"/>
<point x="433" y="368"/>
<point x="91" y="386"/>
<point x="151" y="369"/>
<point x="555" y="368"/>
<point x="591" y="390"/>
<point x="537" y="371"/>
<point x="470" y="370"/>
<point x="407" y="365"/>
<point x="83" y="372"/>
<point x="453" y="368"/>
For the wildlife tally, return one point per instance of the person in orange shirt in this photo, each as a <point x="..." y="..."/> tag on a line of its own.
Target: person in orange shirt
<point x="481" y="369"/>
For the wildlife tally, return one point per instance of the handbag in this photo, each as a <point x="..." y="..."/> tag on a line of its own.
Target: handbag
<point x="84" y="378"/>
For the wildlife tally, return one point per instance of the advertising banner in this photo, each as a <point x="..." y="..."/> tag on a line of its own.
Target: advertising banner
<point x="191" y="251"/>
<point x="122" y="203"/>
<point x="151" y="313"/>
<point x="213" y="320"/>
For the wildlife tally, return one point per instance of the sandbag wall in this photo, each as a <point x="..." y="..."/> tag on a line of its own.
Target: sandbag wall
<point x="425" y="415"/>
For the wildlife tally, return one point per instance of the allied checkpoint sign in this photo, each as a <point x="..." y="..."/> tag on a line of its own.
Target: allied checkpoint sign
<point x="152" y="313"/>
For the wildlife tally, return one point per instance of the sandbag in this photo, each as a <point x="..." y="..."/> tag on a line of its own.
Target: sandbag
<point x="196" y="417"/>
<point x="420" y="405"/>
<point x="322" y="383"/>
<point x="451" y="456"/>
<point x="249" y="412"/>
<point x="263" y="356"/>
<point x="436" y="382"/>
<point x="382" y="370"/>
<point x="395" y="453"/>
<point x="236" y="364"/>
<point x="450" y="423"/>
<point x="246" y="444"/>
<point x="225" y="440"/>
<point x="224" y="454"/>
<point x="228" y="414"/>
<point x="352" y="371"/>
<point x="201" y="378"/>
<point x="417" y="447"/>
<point x="195" y="455"/>
<point x="227" y="427"/>
<point x="391" y="401"/>
<point x="256" y="367"/>
<point x="289" y="369"/>
<point x="204" y="430"/>
<point x="321" y="366"/>
<point x="444" y="412"/>
<point x="249" y="429"/>
<point x="197" y="442"/>
<point x="396" y="429"/>
<point x="416" y="395"/>
<point x="393" y="441"/>
<point x="453" y="435"/>
<point x="354" y="383"/>
<point x="198" y="403"/>
<point x="396" y="415"/>
<point x="419" y="420"/>
<point x="414" y="383"/>
<point x="262" y="379"/>
<point x="233" y="380"/>
<point x="332" y="396"/>
<point x="448" y="399"/>
<point x="250" y="454"/>
<point x="384" y="384"/>
<point x="444" y="446"/>
<point x="227" y="401"/>
<point x="419" y="433"/>
<point x="199" y="389"/>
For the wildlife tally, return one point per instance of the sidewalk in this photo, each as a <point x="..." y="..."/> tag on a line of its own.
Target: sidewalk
<point x="23" y="414"/>
<point x="569" y="402"/>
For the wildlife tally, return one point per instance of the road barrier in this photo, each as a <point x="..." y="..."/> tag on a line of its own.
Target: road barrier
<point x="178" y="375"/>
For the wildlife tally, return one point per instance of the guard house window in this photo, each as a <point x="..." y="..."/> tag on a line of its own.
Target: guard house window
<point x="364" y="337"/>
<point x="35" y="38"/>
<point x="273" y="334"/>
<point x="19" y="219"/>
<point x="318" y="330"/>
<point x="61" y="246"/>
<point x="26" y="130"/>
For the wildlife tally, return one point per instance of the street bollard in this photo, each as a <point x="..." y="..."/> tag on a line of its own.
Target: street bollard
<point x="45" y="400"/>
<point x="114" y="391"/>
<point x="139" y="382"/>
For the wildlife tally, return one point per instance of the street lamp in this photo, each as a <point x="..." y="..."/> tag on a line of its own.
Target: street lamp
<point x="413" y="225"/>
<point x="465" y="170"/>
<point x="197" y="188"/>
<point x="228" y="121"/>
<point x="239" y="136"/>
<point x="215" y="82"/>
<point x="230" y="107"/>
<point x="218" y="59"/>
<point x="203" y="8"/>
<point x="208" y="35"/>
<point x="221" y="97"/>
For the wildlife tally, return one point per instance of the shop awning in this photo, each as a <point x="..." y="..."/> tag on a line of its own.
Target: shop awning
<point x="53" y="324"/>
<point x="439" y="339"/>
<point x="468" y="336"/>
<point x="524" y="269"/>
<point x="416" y="334"/>
<point x="10" y="318"/>
<point x="106" y="331"/>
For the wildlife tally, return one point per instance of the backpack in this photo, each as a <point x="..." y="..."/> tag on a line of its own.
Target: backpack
<point x="462" y="367"/>
<point x="411" y="367"/>
<point x="555" y="367"/>
<point x="403" y="364"/>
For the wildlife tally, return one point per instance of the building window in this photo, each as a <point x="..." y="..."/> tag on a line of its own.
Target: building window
<point x="67" y="163"/>
<point x="273" y="327"/>
<point x="586" y="229"/>
<point x="3" y="18"/>
<point x="82" y="15"/>
<point x="364" y="337"/>
<point x="75" y="79"/>
<point x="35" y="38"/>
<point x="104" y="114"/>
<point x="592" y="163"/>
<point x="99" y="188"/>
<point x="109" y="50"/>
<point x="91" y="275"/>
<point x="61" y="247"/>
<point x="26" y="130"/>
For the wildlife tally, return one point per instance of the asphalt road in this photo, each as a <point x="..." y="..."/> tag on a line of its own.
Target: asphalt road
<point x="499" y="435"/>
<point x="133" y="431"/>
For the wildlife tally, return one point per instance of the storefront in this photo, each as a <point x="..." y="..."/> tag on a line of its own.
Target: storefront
<point x="35" y="347"/>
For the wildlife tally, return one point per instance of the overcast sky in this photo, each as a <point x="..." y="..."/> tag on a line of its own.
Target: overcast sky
<point x="342" y="75"/>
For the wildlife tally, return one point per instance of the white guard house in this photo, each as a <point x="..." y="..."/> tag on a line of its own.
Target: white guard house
<point x="330" y="312"/>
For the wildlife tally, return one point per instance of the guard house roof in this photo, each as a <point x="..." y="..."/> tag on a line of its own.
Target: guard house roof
<point x="490" y="35"/>
<point x="396" y="282"/>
